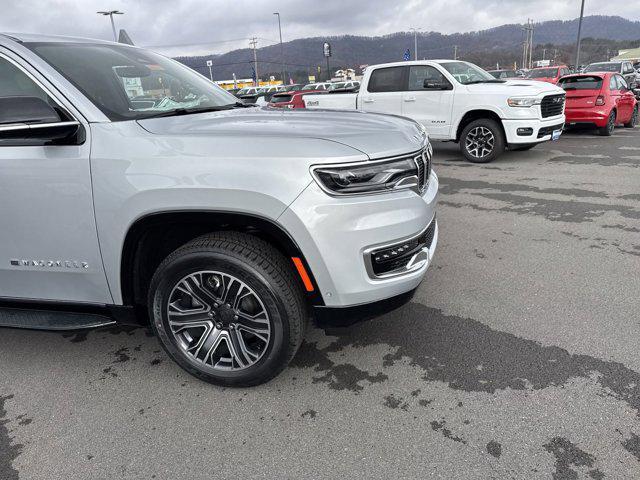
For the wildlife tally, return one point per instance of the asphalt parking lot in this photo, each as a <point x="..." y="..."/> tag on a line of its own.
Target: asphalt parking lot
<point x="518" y="357"/>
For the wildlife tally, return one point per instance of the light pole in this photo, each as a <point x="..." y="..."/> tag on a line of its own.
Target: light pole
<point x="281" y="47"/>
<point x="579" y="36"/>
<point x="415" y="43"/>
<point x="110" y="14"/>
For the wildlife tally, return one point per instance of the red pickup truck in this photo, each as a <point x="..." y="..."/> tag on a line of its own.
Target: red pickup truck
<point x="548" y="74"/>
<point x="290" y="99"/>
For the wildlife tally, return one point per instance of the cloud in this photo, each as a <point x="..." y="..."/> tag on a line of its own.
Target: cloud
<point x="210" y="26"/>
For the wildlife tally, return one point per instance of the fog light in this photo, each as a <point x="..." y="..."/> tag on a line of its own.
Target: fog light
<point x="524" y="132"/>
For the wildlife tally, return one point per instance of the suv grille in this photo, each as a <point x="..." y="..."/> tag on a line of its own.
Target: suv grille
<point x="552" y="105"/>
<point x="423" y="163"/>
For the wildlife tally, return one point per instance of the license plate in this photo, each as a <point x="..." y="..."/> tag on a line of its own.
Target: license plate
<point x="556" y="135"/>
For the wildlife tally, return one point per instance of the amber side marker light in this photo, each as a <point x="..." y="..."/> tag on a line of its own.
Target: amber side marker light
<point x="303" y="274"/>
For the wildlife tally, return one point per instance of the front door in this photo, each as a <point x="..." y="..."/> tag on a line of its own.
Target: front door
<point x="429" y="100"/>
<point x="48" y="240"/>
<point x="627" y="99"/>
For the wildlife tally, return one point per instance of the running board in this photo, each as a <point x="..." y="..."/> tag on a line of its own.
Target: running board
<point x="51" y="320"/>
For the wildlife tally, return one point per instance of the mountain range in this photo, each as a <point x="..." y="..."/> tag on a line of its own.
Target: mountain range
<point x="603" y="34"/>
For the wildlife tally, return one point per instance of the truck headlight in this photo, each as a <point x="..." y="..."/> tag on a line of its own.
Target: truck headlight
<point x="368" y="177"/>
<point x="522" y="102"/>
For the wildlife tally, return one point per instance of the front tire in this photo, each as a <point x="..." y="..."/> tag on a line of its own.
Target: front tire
<point x="633" y="121"/>
<point x="228" y="309"/>
<point x="482" y="141"/>
<point x="608" y="129"/>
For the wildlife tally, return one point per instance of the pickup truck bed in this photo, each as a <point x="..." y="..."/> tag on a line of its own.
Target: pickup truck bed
<point x="336" y="101"/>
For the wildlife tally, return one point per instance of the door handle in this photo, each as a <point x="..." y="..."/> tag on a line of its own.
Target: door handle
<point x="368" y="100"/>
<point x="410" y="99"/>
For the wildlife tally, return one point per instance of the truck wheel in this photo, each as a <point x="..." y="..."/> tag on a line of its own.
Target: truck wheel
<point x="522" y="148"/>
<point x="228" y="309"/>
<point x="633" y="121"/>
<point x="607" y="130"/>
<point x="482" y="141"/>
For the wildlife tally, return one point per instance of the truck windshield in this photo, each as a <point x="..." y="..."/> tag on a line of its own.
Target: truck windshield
<point x="543" y="73"/>
<point x="467" y="73"/>
<point x="128" y="83"/>
<point x="603" y="67"/>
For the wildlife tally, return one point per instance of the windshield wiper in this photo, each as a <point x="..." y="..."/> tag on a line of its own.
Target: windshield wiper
<point x="188" y="111"/>
<point x="243" y="105"/>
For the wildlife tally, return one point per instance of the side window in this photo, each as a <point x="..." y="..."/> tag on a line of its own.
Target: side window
<point x="613" y="85"/>
<point x="419" y="74"/>
<point x="622" y="83"/>
<point x="15" y="83"/>
<point x="387" y="80"/>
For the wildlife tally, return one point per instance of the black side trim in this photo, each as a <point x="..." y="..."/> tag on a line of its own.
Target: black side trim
<point x="331" y="317"/>
<point x="20" y="313"/>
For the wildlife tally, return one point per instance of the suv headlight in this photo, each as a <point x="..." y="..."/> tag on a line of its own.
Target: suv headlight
<point x="522" y="102"/>
<point x="368" y="177"/>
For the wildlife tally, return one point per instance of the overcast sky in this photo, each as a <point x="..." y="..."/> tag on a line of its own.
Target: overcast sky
<point x="217" y="26"/>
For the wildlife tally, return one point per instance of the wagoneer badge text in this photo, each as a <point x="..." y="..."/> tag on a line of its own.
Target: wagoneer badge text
<point x="48" y="263"/>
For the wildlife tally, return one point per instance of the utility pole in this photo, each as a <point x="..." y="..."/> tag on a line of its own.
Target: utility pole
<point x="110" y="14"/>
<point x="284" y="82"/>
<point x="415" y="43"/>
<point x="579" y="35"/>
<point x="455" y="52"/>
<point x="544" y="53"/>
<point x="254" y="44"/>
<point x="531" y="44"/>
<point x="527" y="45"/>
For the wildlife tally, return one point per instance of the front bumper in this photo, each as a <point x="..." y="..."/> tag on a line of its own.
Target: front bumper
<point x="337" y="234"/>
<point x="539" y="129"/>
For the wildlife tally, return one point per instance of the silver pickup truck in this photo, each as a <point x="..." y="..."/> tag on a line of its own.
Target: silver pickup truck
<point x="134" y="190"/>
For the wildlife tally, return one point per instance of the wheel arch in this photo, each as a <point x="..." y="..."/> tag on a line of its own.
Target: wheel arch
<point x="478" y="114"/>
<point x="154" y="236"/>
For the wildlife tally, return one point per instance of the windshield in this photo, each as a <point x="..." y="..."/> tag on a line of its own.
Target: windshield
<point x="129" y="83"/>
<point x="543" y="73"/>
<point x="603" y="67"/>
<point x="467" y="73"/>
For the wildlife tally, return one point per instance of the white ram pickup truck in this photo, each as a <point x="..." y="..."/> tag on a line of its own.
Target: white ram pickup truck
<point x="458" y="101"/>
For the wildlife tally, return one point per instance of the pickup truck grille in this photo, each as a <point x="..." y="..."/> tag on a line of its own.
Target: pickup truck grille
<point x="423" y="163"/>
<point x="552" y="105"/>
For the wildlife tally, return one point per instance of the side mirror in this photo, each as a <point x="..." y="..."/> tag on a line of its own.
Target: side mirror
<point x="431" y="85"/>
<point x="32" y="121"/>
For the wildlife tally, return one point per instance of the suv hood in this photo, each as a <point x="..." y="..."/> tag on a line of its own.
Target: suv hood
<point x="375" y="135"/>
